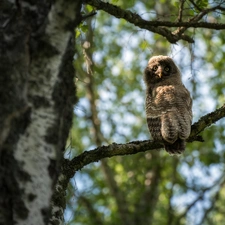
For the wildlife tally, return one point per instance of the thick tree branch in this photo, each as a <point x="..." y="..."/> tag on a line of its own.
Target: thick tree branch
<point x="160" y="26"/>
<point x="205" y="122"/>
<point x="87" y="157"/>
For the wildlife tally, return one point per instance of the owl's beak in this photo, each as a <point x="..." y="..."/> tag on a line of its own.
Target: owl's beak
<point x="159" y="75"/>
<point x="159" y="72"/>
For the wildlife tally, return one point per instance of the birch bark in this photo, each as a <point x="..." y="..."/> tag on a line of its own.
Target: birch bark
<point x="37" y="95"/>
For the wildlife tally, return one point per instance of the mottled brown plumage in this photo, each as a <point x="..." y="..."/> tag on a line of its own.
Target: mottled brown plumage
<point x="168" y="104"/>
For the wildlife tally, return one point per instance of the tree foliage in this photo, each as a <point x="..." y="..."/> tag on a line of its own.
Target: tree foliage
<point x="111" y="173"/>
<point x="149" y="187"/>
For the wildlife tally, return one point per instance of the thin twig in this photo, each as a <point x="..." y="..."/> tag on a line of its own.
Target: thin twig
<point x="201" y="197"/>
<point x="195" y="5"/>
<point x="84" y="17"/>
<point x="181" y="11"/>
<point x="213" y="201"/>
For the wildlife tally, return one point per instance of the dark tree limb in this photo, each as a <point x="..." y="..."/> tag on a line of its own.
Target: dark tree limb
<point x="70" y="167"/>
<point x="160" y="26"/>
<point x="205" y="122"/>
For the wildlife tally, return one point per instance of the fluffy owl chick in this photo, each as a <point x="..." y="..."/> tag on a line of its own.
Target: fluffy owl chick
<point x="168" y="104"/>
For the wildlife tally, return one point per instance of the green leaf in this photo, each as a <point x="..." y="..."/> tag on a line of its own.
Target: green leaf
<point x="202" y="3"/>
<point x="90" y="8"/>
<point x="77" y="33"/>
<point x="84" y="28"/>
<point x="143" y="45"/>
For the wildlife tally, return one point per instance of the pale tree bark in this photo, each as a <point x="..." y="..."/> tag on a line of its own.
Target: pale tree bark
<point x="37" y="94"/>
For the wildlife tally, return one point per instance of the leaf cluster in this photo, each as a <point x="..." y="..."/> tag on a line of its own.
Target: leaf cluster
<point x="149" y="187"/>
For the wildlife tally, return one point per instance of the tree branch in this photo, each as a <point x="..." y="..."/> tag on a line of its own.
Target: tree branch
<point x="201" y="197"/>
<point x="120" y="197"/>
<point x="205" y="122"/>
<point x="92" y="212"/>
<point x="213" y="202"/>
<point x="160" y="26"/>
<point x="170" y="211"/>
<point x="197" y="18"/>
<point x="150" y="194"/>
<point x="87" y="157"/>
<point x="84" y="17"/>
<point x="195" y="5"/>
<point x="181" y="10"/>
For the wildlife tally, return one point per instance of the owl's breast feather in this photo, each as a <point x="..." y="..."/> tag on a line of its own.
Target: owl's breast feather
<point x="160" y="100"/>
<point x="165" y="95"/>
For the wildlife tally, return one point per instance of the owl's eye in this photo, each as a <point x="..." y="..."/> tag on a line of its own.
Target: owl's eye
<point x="154" y="68"/>
<point x="167" y="69"/>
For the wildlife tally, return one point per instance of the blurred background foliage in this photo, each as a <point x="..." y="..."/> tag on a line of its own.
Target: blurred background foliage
<point x="152" y="187"/>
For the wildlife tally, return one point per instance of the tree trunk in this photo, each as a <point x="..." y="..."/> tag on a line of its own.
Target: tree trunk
<point x="37" y="95"/>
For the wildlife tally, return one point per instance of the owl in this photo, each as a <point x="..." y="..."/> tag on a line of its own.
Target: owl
<point x="168" y="104"/>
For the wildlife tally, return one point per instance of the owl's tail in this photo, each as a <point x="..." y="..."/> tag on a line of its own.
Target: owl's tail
<point x="176" y="148"/>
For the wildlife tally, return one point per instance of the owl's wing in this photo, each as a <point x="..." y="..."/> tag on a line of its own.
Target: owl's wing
<point x="187" y="100"/>
<point x="173" y="105"/>
<point x="176" y="123"/>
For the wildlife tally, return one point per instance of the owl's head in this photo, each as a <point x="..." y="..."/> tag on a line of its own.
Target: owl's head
<point x="161" y="69"/>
